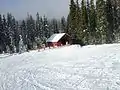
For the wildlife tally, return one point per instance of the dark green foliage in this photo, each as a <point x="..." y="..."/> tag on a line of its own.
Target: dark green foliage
<point x="72" y="19"/>
<point x="94" y="24"/>
<point x="1" y="35"/>
<point x="110" y="20"/>
<point x="101" y="21"/>
<point x="116" y="19"/>
<point x="78" y="18"/>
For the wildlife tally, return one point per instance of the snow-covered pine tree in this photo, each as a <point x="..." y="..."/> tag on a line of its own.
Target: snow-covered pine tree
<point x="46" y="30"/>
<point x="39" y="26"/>
<point x="9" y="29"/>
<point x="15" y="50"/>
<point x="14" y="35"/>
<point x="11" y="45"/>
<point x="63" y="24"/>
<point x="55" y="26"/>
<point x="8" y="49"/>
<point x="1" y="35"/>
<point x="23" y="31"/>
<point x="30" y="31"/>
<point x="22" y="47"/>
<point x="5" y="32"/>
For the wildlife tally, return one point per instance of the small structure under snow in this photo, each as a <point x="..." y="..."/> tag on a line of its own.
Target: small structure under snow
<point x="58" y="40"/>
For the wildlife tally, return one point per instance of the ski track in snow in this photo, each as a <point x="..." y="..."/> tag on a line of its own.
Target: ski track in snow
<point x="93" y="67"/>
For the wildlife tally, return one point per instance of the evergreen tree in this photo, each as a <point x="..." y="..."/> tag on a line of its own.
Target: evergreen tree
<point x="30" y="31"/>
<point x="92" y="22"/>
<point x="79" y="32"/>
<point x="55" y="26"/>
<point x="60" y="25"/>
<point x="68" y="25"/>
<point x="11" y="30"/>
<point x="84" y="17"/>
<point x="72" y="19"/>
<point x="39" y="26"/>
<point x="101" y="21"/>
<point x="16" y="36"/>
<point x="110" y="20"/>
<point x="118" y="14"/>
<point x="51" y="27"/>
<point x="5" y="32"/>
<point x="13" y="36"/>
<point x="21" y="45"/>
<point x="116" y="7"/>
<point x="63" y="24"/>
<point x="1" y="35"/>
<point x="24" y="32"/>
<point x="46" y="31"/>
<point x="89" y="37"/>
<point x="8" y="49"/>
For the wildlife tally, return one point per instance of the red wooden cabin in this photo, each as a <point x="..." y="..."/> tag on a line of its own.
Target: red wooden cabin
<point x="59" y="39"/>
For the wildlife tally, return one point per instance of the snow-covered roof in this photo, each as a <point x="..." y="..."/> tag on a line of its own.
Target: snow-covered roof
<point x="55" y="37"/>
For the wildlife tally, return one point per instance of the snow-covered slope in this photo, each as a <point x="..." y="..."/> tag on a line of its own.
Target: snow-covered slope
<point x="67" y="68"/>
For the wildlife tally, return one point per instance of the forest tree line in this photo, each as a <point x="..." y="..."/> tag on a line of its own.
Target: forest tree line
<point x="27" y="34"/>
<point x="94" y="21"/>
<point x="88" y="22"/>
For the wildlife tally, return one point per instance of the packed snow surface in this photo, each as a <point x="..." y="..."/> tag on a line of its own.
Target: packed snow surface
<point x="95" y="67"/>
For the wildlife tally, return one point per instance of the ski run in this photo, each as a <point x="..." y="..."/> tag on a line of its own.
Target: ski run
<point x="92" y="67"/>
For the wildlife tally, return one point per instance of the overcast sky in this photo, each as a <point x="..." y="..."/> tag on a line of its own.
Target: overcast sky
<point x="19" y="8"/>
